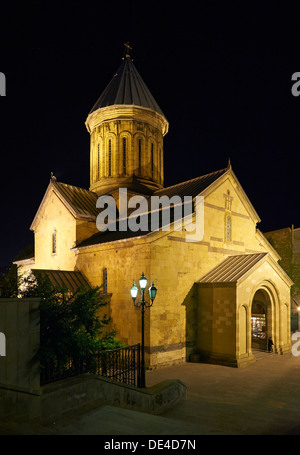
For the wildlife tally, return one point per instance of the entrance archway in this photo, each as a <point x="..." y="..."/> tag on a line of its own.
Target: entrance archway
<point x="261" y="320"/>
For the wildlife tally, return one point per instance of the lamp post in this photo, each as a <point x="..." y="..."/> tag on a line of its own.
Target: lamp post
<point x="143" y="304"/>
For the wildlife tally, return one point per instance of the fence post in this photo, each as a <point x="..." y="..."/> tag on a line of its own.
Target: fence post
<point x="139" y="365"/>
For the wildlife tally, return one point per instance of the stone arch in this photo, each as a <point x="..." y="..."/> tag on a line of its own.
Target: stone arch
<point x="98" y="171"/>
<point x="263" y="321"/>
<point x="139" y="153"/>
<point x="125" y="155"/>
<point x="285" y="324"/>
<point x="109" y="161"/>
<point x="161" y="161"/>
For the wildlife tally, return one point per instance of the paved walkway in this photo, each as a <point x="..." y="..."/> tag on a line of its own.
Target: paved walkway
<point x="261" y="399"/>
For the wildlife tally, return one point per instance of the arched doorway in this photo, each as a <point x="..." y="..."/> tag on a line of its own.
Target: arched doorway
<point x="261" y="320"/>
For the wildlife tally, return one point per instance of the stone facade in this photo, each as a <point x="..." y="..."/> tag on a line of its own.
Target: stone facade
<point x="287" y="242"/>
<point x="130" y="145"/>
<point x="189" y="319"/>
<point x="172" y="327"/>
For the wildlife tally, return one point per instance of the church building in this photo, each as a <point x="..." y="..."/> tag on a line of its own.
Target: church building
<point x="219" y="297"/>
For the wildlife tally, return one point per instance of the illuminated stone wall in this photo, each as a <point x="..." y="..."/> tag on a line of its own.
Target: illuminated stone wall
<point x="172" y="325"/>
<point x="126" y="144"/>
<point x="174" y="265"/>
<point x="54" y="217"/>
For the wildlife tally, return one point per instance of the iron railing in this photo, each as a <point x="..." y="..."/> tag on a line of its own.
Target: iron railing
<point x="121" y="365"/>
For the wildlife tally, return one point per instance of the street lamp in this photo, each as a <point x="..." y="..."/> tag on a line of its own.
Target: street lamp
<point x="143" y="304"/>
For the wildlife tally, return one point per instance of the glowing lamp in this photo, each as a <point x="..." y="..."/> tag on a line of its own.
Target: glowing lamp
<point x="143" y="282"/>
<point x="134" y="292"/>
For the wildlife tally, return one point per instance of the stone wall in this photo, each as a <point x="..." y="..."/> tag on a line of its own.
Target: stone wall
<point x="287" y="242"/>
<point x="281" y="240"/>
<point x="20" y="323"/>
<point x="174" y="264"/>
<point x="21" y="396"/>
<point x="85" y="392"/>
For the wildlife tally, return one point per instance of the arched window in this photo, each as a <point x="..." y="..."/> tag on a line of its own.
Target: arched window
<point x="98" y="164"/>
<point x="152" y="161"/>
<point x="228" y="228"/>
<point x="109" y="157"/>
<point x="159" y="164"/>
<point x="140" y="155"/>
<point x="124" y="154"/>
<point x="54" y="242"/>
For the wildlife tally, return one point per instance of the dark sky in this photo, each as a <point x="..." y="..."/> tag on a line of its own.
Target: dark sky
<point x="220" y="71"/>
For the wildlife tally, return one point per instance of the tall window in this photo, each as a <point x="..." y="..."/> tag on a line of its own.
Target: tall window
<point x="54" y="242"/>
<point x="98" y="164"/>
<point x="124" y="155"/>
<point x="159" y="164"/>
<point x="109" y="157"/>
<point x="152" y="162"/>
<point x="140" y="156"/>
<point x="105" y="280"/>
<point x="228" y="228"/>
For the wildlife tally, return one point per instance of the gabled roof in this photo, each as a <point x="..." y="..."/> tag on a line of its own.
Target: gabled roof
<point x="232" y="268"/>
<point x="236" y="268"/>
<point x="79" y="201"/>
<point x="128" y="88"/>
<point x="191" y="187"/>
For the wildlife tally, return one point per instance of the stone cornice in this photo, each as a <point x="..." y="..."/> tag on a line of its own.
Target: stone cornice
<point x="118" y="112"/>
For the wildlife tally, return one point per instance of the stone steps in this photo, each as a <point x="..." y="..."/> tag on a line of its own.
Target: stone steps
<point x="261" y="354"/>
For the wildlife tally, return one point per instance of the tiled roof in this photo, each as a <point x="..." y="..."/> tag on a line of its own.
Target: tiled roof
<point x="60" y="278"/>
<point x="80" y="200"/>
<point x="127" y="87"/>
<point x="232" y="268"/>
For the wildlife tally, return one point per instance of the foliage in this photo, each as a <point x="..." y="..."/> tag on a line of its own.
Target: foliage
<point x="9" y="283"/>
<point x="71" y="325"/>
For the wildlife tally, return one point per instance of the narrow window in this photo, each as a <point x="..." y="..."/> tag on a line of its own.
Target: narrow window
<point x="152" y="162"/>
<point x="98" y="166"/>
<point x="54" y="242"/>
<point x="109" y="157"/>
<point x="228" y="228"/>
<point x="105" y="281"/>
<point x="124" y="155"/>
<point x="159" y="163"/>
<point x="140" y="155"/>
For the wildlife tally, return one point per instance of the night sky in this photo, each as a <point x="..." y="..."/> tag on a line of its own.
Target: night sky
<point x="220" y="71"/>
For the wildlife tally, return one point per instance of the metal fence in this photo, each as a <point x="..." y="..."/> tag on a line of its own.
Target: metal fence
<point x="121" y="365"/>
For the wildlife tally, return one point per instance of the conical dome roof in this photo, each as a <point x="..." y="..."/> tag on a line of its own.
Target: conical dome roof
<point x="128" y="88"/>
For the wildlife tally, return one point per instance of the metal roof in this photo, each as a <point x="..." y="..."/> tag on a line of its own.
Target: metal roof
<point x="81" y="201"/>
<point x="232" y="268"/>
<point x="127" y="87"/>
<point x="191" y="187"/>
<point x="61" y="278"/>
